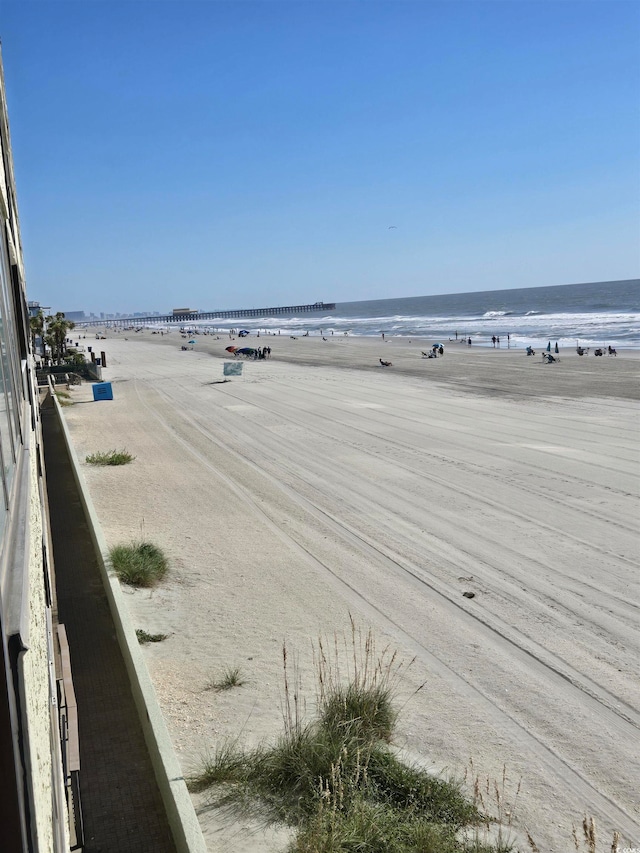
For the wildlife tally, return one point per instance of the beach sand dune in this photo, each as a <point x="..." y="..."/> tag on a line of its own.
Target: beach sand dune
<point x="320" y="485"/>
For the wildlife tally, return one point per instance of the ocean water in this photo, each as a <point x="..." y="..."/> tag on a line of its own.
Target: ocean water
<point x="595" y="314"/>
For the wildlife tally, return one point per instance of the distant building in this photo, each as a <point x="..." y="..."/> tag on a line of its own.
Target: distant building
<point x="75" y="315"/>
<point x="180" y="312"/>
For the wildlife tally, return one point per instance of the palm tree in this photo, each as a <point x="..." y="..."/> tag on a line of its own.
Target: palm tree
<point x="57" y="329"/>
<point x="36" y="326"/>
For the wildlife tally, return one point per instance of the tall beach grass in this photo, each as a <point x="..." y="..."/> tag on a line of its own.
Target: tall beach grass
<point x="335" y="777"/>
<point x="110" y="457"/>
<point x="139" y="564"/>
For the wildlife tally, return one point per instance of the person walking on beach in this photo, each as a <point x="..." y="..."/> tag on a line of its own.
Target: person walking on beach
<point x="493" y="340"/>
<point x="469" y="341"/>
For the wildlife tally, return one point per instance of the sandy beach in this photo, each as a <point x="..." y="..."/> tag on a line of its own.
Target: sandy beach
<point x="320" y="484"/>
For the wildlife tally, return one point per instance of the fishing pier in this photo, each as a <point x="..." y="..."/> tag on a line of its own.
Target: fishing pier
<point x="194" y="316"/>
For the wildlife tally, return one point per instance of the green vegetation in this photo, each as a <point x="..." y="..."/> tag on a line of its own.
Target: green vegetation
<point x="74" y="358"/>
<point x="64" y="398"/>
<point x="227" y="764"/>
<point x="336" y="778"/>
<point x="56" y="329"/>
<point x="375" y="827"/>
<point x="111" y="457"/>
<point x="139" y="564"/>
<point x="231" y="677"/>
<point x="143" y="637"/>
<point x="36" y="328"/>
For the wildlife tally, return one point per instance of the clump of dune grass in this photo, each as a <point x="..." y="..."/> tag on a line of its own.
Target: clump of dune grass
<point x="374" y="827"/>
<point x="144" y="637"/>
<point x="335" y="777"/>
<point x="227" y="764"/>
<point x="231" y="677"/>
<point x="139" y="564"/>
<point x="493" y="799"/>
<point x="111" y="457"/>
<point x="64" y="398"/>
<point x="356" y="685"/>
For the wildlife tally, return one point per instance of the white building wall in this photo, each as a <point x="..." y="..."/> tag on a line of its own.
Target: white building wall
<point x="37" y="681"/>
<point x="30" y="737"/>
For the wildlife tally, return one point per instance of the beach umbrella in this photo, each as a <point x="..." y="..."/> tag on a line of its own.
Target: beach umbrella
<point x="549" y="347"/>
<point x="230" y="349"/>
<point x="557" y="350"/>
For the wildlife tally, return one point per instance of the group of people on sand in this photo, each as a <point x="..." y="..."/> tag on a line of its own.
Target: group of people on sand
<point x="434" y="352"/>
<point x="262" y="352"/>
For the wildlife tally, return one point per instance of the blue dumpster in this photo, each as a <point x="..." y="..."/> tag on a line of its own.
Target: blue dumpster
<point x="102" y="391"/>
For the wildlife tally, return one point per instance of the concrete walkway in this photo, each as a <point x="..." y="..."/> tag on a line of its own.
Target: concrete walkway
<point x="121" y="804"/>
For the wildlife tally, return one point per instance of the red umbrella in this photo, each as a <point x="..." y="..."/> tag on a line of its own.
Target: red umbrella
<point x="230" y="349"/>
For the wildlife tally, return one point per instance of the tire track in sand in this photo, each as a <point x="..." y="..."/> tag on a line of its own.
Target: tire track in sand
<point x="569" y="775"/>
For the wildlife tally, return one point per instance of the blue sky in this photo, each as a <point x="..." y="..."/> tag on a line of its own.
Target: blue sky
<point x="248" y="154"/>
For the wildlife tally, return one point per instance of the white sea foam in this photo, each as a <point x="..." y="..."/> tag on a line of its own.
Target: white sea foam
<point x="595" y="314"/>
<point x="621" y="330"/>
